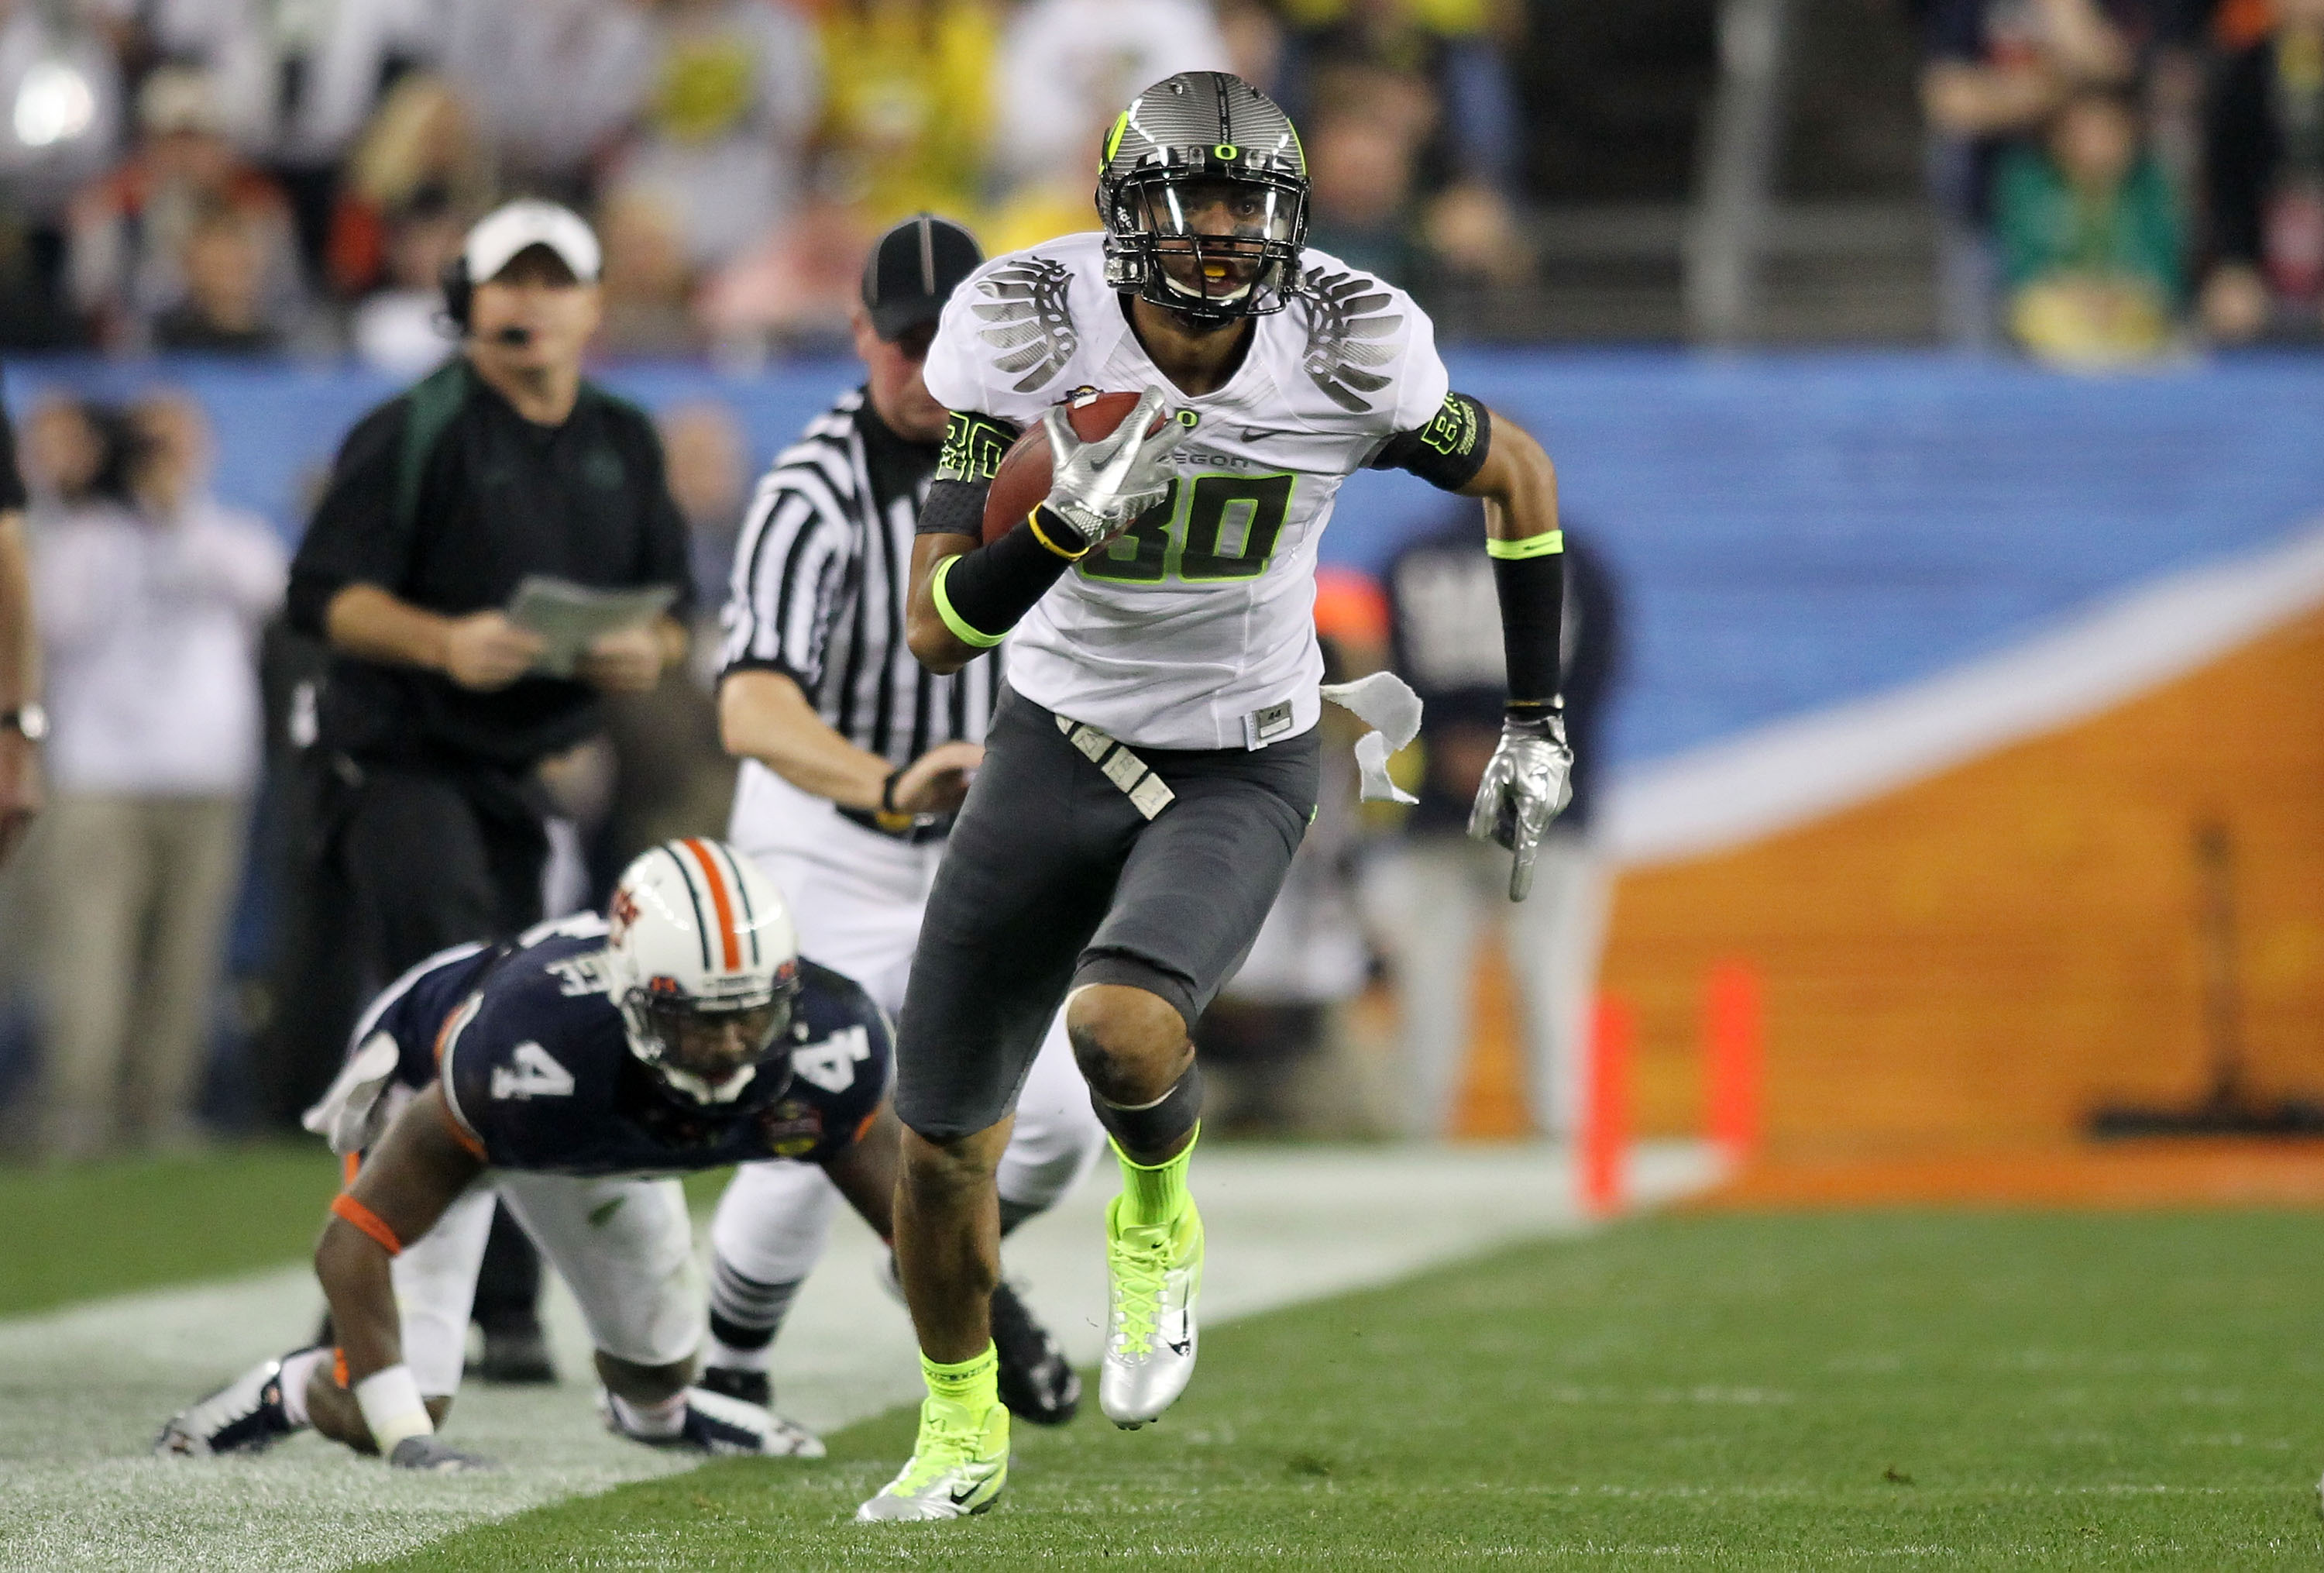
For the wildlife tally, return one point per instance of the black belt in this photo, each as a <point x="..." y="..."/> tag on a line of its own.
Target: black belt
<point x="914" y="831"/>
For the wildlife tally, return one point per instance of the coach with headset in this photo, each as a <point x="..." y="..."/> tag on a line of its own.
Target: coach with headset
<point x="504" y="464"/>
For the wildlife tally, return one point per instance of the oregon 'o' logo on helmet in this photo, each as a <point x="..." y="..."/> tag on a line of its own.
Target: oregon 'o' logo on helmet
<point x="1202" y="186"/>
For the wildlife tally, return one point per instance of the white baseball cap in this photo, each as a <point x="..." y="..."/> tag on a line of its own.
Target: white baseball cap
<point x="505" y="231"/>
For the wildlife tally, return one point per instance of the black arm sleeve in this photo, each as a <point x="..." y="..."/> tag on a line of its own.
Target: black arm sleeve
<point x="355" y="537"/>
<point x="1448" y="452"/>
<point x="991" y="587"/>
<point x="1533" y="602"/>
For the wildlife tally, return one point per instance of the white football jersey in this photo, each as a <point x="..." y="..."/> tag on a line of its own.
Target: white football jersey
<point x="1197" y="628"/>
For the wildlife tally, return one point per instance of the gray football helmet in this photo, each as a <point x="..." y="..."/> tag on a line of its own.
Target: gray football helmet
<point x="1204" y="190"/>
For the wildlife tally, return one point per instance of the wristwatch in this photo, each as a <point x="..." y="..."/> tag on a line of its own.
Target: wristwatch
<point x="30" y="720"/>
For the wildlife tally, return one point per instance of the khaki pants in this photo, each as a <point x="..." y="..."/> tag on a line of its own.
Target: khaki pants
<point x="136" y="893"/>
<point x="1432" y="897"/>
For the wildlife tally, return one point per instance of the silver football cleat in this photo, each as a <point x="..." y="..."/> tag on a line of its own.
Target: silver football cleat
<point x="1152" y="1276"/>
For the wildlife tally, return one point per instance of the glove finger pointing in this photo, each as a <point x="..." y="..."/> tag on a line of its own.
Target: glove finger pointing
<point x="1521" y="867"/>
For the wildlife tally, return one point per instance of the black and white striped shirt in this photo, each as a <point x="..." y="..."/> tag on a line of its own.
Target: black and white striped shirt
<point x="821" y="572"/>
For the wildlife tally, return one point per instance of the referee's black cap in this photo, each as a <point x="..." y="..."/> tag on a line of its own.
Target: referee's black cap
<point x="914" y="270"/>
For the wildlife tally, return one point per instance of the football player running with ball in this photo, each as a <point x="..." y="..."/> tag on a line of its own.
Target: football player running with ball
<point x="1152" y="765"/>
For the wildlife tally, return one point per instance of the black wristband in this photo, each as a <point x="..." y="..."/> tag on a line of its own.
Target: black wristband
<point x="982" y="594"/>
<point x="1533" y="598"/>
<point x="887" y="791"/>
<point x="1536" y="719"/>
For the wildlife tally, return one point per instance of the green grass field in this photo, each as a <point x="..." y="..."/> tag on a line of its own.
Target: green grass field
<point x="1953" y="1390"/>
<point x="74" y="1233"/>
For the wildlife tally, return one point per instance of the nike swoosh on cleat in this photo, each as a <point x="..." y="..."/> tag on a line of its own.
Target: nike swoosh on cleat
<point x="1182" y="1347"/>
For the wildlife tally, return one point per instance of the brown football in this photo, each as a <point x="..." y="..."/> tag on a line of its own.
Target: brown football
<point x="1022" y="481"/>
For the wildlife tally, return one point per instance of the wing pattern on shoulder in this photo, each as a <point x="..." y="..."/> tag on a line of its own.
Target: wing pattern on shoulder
<point x="1346" y="321"/>
<point x="1032" y="320"/>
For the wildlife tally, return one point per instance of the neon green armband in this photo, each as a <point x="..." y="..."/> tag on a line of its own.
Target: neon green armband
<point x="1531" y="546"/>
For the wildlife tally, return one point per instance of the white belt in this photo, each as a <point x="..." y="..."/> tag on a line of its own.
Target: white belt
<point x="1147" y="791"/>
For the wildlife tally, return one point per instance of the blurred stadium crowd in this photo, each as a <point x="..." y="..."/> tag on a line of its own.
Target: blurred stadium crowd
<point x="2112" y="174"/>
<point x="250" y="176"/>
<point x="2113" y="178"/>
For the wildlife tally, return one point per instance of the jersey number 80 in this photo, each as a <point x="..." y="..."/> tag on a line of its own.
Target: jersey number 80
<point x="1207" y="529"/>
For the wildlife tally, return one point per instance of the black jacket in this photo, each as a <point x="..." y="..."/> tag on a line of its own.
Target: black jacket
<point x="447" y="498"/>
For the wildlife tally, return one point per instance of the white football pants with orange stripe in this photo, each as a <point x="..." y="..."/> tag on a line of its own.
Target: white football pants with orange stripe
<point x="857" y="897"/>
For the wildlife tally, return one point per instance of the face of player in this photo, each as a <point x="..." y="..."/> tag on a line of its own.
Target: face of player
<point x="900" y="394"/>
<point x="1210" y="233"/>
<point x="718" y="1045"/>
<point x="532" y="317"/>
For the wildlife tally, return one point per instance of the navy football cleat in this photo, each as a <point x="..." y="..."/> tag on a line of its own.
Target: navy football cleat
<point x="1037" y="1382"/>
<point x="733" y="1382"/>
<point x="245" y="1416"/>
<point x="717" y="1424"/>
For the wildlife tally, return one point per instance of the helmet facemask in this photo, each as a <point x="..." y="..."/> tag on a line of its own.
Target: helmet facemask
<point x="1215" y="240"/>
<point x="708" y="1051"/>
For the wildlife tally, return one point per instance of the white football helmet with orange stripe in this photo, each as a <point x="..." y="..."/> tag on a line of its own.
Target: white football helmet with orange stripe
<point x="705" y="967"/>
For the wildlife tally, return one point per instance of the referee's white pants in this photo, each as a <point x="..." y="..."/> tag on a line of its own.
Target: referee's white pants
<point x="856" y="897"/>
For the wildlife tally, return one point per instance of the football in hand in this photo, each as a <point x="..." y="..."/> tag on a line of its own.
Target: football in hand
<point x="1022" y="482"/>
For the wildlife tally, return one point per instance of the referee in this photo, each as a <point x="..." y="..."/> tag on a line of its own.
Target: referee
<point x="854" y="756"/>
<point x="503" y="463"/>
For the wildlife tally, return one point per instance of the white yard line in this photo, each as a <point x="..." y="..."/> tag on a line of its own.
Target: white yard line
<point x="82" y="1390"/>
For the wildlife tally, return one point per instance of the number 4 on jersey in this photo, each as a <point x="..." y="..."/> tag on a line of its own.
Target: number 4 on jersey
<point x="831" y="1064"/>
<point x="532" y="1073"/>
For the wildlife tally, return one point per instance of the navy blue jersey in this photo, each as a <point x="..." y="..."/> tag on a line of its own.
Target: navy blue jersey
<point x="414" y="1008"/>
<point x="536" y="1066"/>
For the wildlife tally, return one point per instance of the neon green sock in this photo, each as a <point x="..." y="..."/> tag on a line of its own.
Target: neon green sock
<point x="974" y="1384"/>
<point x="1156" y="1194"/>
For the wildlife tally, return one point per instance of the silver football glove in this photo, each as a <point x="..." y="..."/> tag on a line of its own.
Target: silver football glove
<point x="1099" y="488"/>
<point x="1526" y="784"/>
